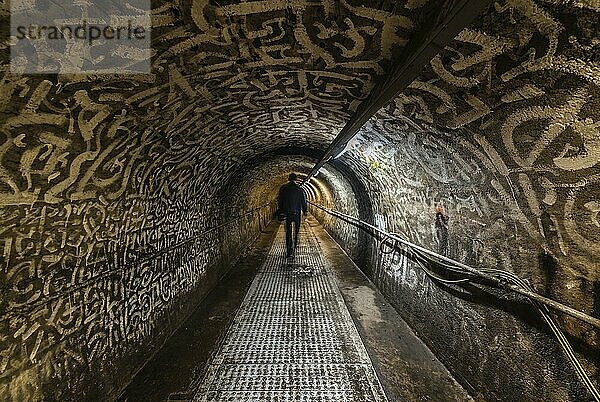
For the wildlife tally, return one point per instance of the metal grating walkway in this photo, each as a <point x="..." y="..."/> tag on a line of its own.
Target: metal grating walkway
<point x="293" y="338"/>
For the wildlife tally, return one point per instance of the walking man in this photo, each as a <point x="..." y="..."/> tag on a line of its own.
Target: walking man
<point x="291" y="202"/>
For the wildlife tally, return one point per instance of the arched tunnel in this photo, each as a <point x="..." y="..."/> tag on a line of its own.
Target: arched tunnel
<point x="143" y="257"/>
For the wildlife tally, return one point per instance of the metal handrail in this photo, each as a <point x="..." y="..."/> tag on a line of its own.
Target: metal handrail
<point x="497" y="277"/>
<point x="499" y="282"/>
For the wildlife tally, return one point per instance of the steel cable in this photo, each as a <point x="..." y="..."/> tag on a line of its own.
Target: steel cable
<point x="498" y="277"/>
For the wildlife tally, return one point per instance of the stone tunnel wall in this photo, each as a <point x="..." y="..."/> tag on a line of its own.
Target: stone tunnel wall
<point x="92" y="287"/>
<point x="494" y="343"/>
<point x="502" y="127"/>
<point x="336" y="193"/>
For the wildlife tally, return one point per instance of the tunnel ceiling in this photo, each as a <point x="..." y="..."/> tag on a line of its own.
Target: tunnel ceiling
<point x="232" y="81"/>
<point x="229" y="80"/>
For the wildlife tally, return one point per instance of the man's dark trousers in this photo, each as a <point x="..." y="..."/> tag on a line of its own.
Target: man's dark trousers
<point x="290" y="242"/>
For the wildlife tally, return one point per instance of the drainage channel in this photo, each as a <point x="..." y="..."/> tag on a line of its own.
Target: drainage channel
<point x="292" y="338"/>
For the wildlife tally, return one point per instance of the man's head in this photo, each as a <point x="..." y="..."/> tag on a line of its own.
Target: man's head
<point x="292" y="177"/>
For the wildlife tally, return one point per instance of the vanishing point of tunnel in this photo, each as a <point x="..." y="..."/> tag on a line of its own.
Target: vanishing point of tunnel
<point x="448" y="150"/>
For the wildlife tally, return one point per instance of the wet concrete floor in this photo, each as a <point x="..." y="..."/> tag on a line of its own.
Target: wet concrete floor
<point x="293" y="338"/>
<point x="270" y="351"/>
<point x="407" y="369"/>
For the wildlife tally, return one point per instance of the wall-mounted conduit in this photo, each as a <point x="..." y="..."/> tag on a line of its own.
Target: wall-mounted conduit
<point x="494" y="277"/>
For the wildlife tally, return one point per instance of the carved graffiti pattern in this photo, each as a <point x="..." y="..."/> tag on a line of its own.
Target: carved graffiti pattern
<point x="518" y="102"/>
<point x="99" y="172"/>
<point x="103" y="177"/>
<point x="502" y="126"/>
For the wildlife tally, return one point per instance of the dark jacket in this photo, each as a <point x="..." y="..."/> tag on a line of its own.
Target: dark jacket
<point x="291" y="199"/>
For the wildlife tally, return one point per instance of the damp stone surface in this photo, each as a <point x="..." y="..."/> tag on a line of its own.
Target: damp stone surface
<point x="292" y="338"/>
